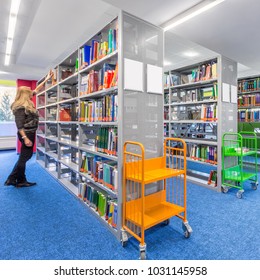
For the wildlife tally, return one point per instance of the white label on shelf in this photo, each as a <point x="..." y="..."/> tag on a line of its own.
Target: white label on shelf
<point x="154" y="79"/>
<point x="133" y="75"/>
<point x="233" y="94"/>
<point x="225" y="92"/>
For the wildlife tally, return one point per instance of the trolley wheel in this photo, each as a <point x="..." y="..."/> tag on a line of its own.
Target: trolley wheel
<point x="240" y="194"/>
<point x="187" y="234"/>
<point x="254" y="185"/>
<point x="187" y="229"/>
<point x="124" y="238"/>
<point x="142" y="255"/>
<point x="142" y="249"/>
<point x="224" y="189"/>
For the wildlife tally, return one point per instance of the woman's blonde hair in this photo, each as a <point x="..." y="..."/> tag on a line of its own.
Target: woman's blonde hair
<point x="23" y="99"/>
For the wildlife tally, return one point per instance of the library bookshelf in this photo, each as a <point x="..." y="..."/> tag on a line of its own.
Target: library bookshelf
<point x="199" y="108"/>
<point x="249" y="106"/>
<point x="92" y="105"/>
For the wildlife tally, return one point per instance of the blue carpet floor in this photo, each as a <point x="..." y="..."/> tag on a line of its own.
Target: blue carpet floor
<point x="46" y="222"/>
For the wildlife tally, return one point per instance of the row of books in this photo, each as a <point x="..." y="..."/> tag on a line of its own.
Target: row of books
<point x="248" y="115"/>
<point x="249" y="85"/>
<point x="98" y="49"/>
<point x="102" y="170"/>
<point x="104" y="109"/>
<point x="200" y="94"/>
<point x="104" y="78"/>
<point x="104" y="205"/>
<point x="101" y="139"/>
<point x="107" y="140"/>
<point x="203" y="153"/>
<point x="209" y="112"/>
<point x="203" y="73"/>
<point x="249" y="100"/>
<point x="203" y="112"/>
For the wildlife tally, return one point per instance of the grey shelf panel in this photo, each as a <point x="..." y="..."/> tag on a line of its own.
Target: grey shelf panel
<point x="49" y="121"/>
<point x="65" y="122"/>
<point x="71" y="80"/>
<point x="52" y="138"/>
<point x="248" y="107"/>
<point x="52" y="155"/>
<point x="53" y="173"/>
<point x="192" y="103"/>
<point x="201" y="182"/>
<point x="195" y="84"/>
<point x="69" y="186"/>
<point x="197" y="161"/>
<point x="73" y="166"/>
<point x="99" y="123"/>
<point x="193" y="121"/>
<point x="42" y="149"/>
<point x="199" y="141"/>
<point x="41" y="135"/>
<point x="201" y="162"/>
<point x="69" y="143"/>
<point x="52" y="88"/>
<point x="69" y="100"/>
<point x="98" y="93"/>
<point x="41" y="163"/>
<point x="41" y="107"/>
<point x="114" y="158"/>
<point x="51" y="105"/>
<point x="249" y="92"/>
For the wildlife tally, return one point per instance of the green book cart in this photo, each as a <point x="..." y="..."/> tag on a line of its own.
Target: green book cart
<point x="236" y="147"/>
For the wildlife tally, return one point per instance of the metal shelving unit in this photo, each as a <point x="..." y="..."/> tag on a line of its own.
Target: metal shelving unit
<point x="67" y="141"/>
<point x="185" y="96"/>
<point x="249" y="87"/>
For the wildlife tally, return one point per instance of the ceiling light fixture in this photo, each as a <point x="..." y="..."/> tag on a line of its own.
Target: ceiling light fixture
<point x="190" y="54"/>
<point x="167" y="63"/>
<point x="190" y="13"/>
<point x="11" y="29"/>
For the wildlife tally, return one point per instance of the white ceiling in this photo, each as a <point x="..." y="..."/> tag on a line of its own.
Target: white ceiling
<point x="47" y="31"/>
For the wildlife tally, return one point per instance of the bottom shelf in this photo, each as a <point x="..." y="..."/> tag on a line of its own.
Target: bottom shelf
<point x="235" y="174"/>
<point x="156" y="210"/>
<point x="201" y="179"/>
<point x="74" y="191"/>
<point x="72" y="188"/>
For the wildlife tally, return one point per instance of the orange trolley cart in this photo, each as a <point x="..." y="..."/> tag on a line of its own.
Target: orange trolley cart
<point x="143" y="209"/>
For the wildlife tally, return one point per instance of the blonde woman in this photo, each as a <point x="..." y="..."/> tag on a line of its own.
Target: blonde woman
<point x="26" y="119"/>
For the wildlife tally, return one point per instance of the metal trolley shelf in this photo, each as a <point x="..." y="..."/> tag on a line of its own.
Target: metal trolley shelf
<point x="141" y="211"/>
<point x="235" y="172"/>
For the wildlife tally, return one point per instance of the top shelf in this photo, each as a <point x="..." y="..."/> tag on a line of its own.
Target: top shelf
<point x="194" y="84"/>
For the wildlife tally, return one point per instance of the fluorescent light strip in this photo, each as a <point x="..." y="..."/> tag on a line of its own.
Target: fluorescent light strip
<point x="9" y="44"/>
<point x="7" y="59"/>
<point x="11" y="29"/>
<point x="185" y="16"/>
